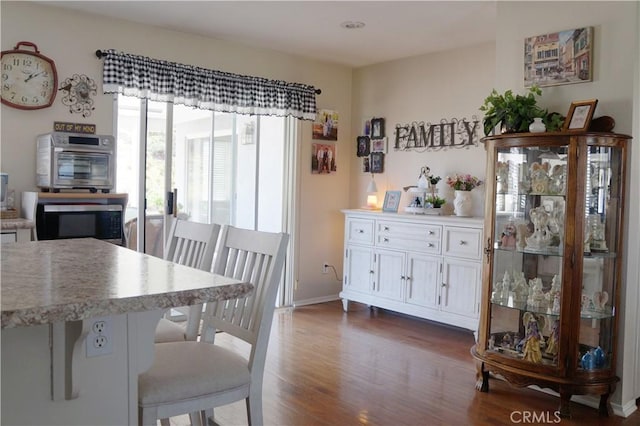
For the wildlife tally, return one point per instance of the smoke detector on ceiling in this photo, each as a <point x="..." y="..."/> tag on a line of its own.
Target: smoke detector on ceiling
<point x="352" y="25"/>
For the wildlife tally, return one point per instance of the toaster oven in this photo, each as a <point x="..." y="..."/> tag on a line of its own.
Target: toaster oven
<point x="75" y="161"/>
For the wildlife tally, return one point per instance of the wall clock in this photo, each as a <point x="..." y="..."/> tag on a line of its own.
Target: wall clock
<point x="29" y="79"/>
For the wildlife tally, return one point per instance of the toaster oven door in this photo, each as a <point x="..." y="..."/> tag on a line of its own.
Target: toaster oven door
<point x="83" y="169"/>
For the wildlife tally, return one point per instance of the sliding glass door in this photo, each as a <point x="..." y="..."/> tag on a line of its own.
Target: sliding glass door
<point x="203" y="166"/>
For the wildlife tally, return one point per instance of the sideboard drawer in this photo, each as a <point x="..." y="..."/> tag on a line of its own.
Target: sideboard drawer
<point x="360" y="231"/>
<point x="462" y="242"/>
<point x="409" y="236"/>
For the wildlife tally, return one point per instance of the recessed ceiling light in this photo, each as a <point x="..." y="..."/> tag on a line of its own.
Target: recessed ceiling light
<point x="352" y="25"/>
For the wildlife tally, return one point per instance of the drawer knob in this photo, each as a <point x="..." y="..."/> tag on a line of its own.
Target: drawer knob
<point x="371" y="272"/>
<point x="386" y="240"/>
<point x="386" y="228"/>
<point x="431" y="232"/>
<point x="444" y="284"/>
<point x="463" y="243"/>
<point x="430" y="245"/>
<point x="360" y="231"/>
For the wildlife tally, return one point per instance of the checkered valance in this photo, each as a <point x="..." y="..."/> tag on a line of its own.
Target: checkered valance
<point x="133" y="75"/>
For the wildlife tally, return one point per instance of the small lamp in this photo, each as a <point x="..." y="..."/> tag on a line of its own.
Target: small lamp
<point x="372" y="194"/>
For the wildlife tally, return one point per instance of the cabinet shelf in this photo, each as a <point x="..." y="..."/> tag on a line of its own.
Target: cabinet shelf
<point x="605" y="313"/>
<point x="551" y="251"/>
<point x="577" y="269"/>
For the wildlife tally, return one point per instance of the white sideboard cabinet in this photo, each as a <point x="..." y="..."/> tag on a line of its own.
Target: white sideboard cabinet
<point x="426" y="266"/>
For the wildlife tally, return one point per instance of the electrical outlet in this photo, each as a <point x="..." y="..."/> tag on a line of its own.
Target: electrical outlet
<point x="325" y="268"/>
<point x="100" y="337"/>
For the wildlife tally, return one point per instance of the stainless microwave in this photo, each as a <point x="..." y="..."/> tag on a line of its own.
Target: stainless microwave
<point x="75" y="161"/>
<point x="60" y="221"/>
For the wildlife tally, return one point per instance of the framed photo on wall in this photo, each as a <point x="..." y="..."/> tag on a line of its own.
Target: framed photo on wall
<point x="391" y="201"/>
<point x="379" y="145"/>
<point x="363" y="146"/>
<point x="580" y="115"/>
<point x="377" y="162"/>
<point x="377" y="128"/>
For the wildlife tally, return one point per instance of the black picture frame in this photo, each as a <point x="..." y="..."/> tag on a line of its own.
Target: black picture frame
<point x="377" y="128"/>
<point x="363" y="146"/>
<point x="377" y="162"/>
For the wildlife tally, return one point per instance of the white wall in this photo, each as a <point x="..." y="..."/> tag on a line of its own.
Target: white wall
<point x="71" y="38"/>
<point x="428" y="88"/>
<point x="616" y="73"/>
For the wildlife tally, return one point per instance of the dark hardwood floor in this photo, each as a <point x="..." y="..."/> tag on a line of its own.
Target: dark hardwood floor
<point x="374" y="367"/>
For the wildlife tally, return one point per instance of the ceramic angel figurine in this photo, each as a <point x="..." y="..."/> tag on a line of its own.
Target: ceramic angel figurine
<point x="541" y="237"/>
<point x="533" y="337"/>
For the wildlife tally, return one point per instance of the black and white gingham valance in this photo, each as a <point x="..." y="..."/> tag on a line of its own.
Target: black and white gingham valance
<point x="133" y="75"/>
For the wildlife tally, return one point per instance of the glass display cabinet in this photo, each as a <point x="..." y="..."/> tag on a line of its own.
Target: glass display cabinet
<point x="551" y="281"/>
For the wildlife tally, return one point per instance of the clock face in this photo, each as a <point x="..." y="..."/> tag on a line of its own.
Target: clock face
<point x="28" y="80"/>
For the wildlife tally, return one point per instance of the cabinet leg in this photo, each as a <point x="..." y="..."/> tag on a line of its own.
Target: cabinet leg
<point x="605" y="410"/>
<point x="565" y="405"/>
<point x="482" y="378"/>
<point x="345" y="305"/>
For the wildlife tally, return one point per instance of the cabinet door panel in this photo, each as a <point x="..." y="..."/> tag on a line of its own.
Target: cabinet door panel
<point x="389" y="276"/>
<point x="423" y="280"/>
<point x="358" y="269"/>
<point x="460" y="292"/>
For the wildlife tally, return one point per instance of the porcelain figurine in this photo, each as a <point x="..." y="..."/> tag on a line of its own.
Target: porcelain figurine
<point x="522" y="232"/>
<point x="600" y="299"/>
<point x="502" y="176"/>
<point x="531" y="348"/>
<point x="558" y="179"/>
<point x="520" y="287"/>
<point x="552" y="341"/>
<point x="541" y="237"/>
<point x="539" y="178"/>
<point x="536" y="296"/>
<point x="508" y="237"/>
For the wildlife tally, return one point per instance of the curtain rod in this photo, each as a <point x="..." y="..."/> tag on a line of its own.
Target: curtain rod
<point x="99" y="55"/>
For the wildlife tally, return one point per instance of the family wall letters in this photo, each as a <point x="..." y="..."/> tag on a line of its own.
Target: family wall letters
<point x="446" y="134"/>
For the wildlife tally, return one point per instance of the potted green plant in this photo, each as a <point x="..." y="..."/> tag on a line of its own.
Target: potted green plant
<point x="514" y="113"/>
<point x="435" y="201"/>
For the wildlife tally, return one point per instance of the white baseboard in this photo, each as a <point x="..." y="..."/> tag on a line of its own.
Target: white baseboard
<point x="315" y="300"/>
<point x="594" y="402"/>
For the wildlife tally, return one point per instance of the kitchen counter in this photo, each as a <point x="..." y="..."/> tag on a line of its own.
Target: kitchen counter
<point x="54" y="293"/>
<point x="14" y="224"/>
<point x="74" y="279"/>
<point x="18" y="229"/>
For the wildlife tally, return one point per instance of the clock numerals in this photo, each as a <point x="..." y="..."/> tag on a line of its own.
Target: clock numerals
<point x="28" y="78"/>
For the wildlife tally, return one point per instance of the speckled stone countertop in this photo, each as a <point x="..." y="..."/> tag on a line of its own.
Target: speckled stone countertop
<point x="19" y="223"/>
<point x="66" y="280"/>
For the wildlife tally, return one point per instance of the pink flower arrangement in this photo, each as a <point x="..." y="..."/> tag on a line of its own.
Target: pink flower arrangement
<point x="463" y="182"/>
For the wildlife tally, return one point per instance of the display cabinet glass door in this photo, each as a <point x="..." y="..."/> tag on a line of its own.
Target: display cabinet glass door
<point x="603" y="194"/>
<point x="528" y="254"/>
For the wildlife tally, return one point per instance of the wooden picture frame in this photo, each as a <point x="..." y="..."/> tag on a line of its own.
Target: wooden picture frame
<point x="377" y="162"/>
<point x="363" y="146"/>
<point x="377" y="128"/>
<point x="391" y="201"/>
<point x="579" y="116"/>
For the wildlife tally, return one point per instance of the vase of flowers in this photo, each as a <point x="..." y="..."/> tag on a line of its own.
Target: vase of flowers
<point x="462" y="185"/>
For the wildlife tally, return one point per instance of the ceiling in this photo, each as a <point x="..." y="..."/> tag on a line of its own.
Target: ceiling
<point x="393" y="29"/>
